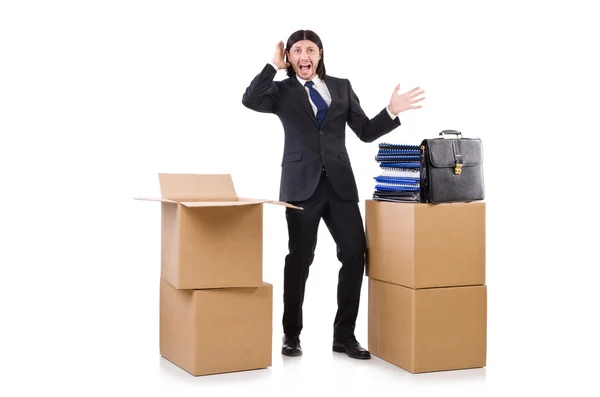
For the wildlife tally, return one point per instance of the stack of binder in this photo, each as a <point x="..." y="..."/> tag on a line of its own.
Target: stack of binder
<point x="399" y="179"/>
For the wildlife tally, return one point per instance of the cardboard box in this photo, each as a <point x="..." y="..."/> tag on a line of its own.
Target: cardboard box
<point x="422" y="245"/>
<point x="214" y="331"/>
<point x="210" y="238"/>
<point x="425" y="330"/>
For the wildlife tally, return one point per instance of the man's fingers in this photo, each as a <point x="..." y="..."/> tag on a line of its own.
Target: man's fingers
<point x="413" y="90"/>
<point x="418" y="100"/>
<point x="416" y="107"/>
<point x="411" y="96"/>
<point x="397" y="89"/>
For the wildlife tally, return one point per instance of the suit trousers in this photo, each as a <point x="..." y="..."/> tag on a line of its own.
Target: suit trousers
<point x="344" y="221"/>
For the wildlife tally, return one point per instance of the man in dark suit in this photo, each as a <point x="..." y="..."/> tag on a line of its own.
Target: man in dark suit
<point x="317" y="175"/>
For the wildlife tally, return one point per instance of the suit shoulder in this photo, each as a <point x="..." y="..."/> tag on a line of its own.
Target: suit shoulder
<point x="336" y="79"/>
<point x="286" y="82"/>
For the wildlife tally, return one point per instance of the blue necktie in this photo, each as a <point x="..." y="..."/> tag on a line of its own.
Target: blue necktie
<point x="318" y="101"/>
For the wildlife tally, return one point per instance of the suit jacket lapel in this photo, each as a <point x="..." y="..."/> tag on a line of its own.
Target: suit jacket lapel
<point x="334" y="97"/>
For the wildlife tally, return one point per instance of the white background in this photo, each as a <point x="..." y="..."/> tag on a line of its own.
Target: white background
<point x="97" y="97"/>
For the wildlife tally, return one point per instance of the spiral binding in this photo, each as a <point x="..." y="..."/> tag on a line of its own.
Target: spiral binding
<point x="414" y="170"/>
<point x="398" y="184"/>
<point x="396" y="165"/>
<point x="394" y="188"/>
<point x="392" y="193"/>
<point x="392" y="179"/>
<point x="399" y="151"/>
<point x="396" y="157"/>
<point x="408" y="199"/>
<point x="387" y="145"/>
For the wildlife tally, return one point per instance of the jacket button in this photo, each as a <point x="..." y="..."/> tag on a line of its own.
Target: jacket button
<point x="320" y="132"/>
<point x="322" y="152"/>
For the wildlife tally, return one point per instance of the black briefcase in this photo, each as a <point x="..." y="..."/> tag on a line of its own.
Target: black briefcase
<point x="451" y="170"/>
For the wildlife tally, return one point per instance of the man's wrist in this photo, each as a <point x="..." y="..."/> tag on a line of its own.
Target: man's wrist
<point x="392" y="115"/>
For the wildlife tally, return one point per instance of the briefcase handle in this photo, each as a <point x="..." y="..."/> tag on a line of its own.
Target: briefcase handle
<point x="452" y="132"/>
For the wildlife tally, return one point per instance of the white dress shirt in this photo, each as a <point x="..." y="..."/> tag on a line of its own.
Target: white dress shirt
<point x="321" y="87"/>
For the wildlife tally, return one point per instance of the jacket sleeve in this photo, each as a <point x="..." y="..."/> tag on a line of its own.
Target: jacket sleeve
<point x="262" y="94"/>
<point x="368" y="130"/>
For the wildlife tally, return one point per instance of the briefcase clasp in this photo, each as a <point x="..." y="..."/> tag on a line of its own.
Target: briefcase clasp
<point x="458" y="165"/>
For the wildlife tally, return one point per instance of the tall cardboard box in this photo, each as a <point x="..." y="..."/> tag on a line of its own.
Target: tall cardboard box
<point x="421" y="245"/>
<point x="431" y="329"/>
<point x="427" y="293"/>
<point x="210" y="237"/>
<point x="211" y="331"/>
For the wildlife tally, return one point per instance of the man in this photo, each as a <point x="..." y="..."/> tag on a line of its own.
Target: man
<point x="314" y="109"/>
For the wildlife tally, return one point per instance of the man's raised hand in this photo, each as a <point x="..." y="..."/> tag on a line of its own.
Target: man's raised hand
<point x="279" y="57"/>
<point x="406" y="101"/>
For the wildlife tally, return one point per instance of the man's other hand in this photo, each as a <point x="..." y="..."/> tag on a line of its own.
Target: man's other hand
<point x="406" y="101"/>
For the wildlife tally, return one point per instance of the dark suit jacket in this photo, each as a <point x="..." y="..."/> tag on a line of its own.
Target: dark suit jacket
<point x="308" y="148"/>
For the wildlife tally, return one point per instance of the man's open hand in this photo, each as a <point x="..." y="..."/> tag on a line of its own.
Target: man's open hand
<point x="400" y="103"/>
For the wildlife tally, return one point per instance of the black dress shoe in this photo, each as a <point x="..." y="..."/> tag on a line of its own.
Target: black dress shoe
<point x="351" y="347"/>
<point x="291" y="346"/>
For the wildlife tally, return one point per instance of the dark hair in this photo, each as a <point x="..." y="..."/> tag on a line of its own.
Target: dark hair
<point x="306" y="35"/>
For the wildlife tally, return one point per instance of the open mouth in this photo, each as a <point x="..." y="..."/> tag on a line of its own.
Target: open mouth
<point x="305" y="67"/>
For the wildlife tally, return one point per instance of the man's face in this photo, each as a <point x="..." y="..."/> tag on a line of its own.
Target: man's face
<point x="304" y="57"/>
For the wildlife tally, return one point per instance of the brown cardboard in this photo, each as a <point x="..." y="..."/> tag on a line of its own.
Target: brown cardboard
<point x="421" y="245"/>
<point x="210" y="238"/>
<point x="426" y="330"/>
<point x="213" y="331"/>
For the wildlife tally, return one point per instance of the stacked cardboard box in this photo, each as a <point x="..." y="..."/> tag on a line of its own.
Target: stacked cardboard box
<point x="215" y="308"/>
<point x="427" y="293"/>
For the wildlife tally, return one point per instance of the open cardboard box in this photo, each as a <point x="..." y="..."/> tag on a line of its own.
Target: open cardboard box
<point x="210" y="237"/>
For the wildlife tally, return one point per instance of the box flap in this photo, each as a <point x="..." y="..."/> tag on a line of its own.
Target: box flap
<point x="164" y="200"/>
<point x="246" y="199"/>
<point x="215" y="203"/>
<point x="183" y="187"/>
<point x="240" y="201"/>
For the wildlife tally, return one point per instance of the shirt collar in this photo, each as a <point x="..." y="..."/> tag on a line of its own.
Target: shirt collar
<point x="315" y="79"/>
